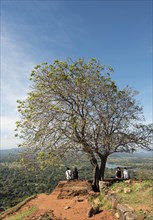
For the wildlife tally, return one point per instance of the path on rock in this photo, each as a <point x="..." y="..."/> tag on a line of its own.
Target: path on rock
<point x="69" y="201"/>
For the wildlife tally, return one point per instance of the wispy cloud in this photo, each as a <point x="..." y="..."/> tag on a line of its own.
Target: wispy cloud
<point x="15" y="70"/>
<point x="8" y="139"/>
<point x="16" y="66"/>
<point x="18" y="57"/>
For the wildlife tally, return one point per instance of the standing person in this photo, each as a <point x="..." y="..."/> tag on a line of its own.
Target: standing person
<point x="118" y="173"/>
<point x="68" y="174"/>
<point x="125" y="173"/>
<point x="75" y="174"/>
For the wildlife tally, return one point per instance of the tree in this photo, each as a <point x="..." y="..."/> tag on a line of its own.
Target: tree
<point x="77" y="106"/>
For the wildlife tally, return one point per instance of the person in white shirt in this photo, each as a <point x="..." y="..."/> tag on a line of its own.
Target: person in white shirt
<point x="68" y="174"/>
<point x="125" y="173"/>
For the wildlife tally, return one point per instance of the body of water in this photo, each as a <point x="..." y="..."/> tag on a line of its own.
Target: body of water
<point x="111" y="166"/>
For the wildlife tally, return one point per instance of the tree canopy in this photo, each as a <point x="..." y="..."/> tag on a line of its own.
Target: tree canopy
<point x="77" y="106"/>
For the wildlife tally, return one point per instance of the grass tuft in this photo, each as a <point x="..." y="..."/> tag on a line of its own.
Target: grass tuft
<point x="23" y="214"/>
<point x="17" y="207"/>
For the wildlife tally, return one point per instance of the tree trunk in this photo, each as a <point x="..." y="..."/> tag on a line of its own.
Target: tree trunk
<point x="102" y="166"/>
<point x="96" y="174"/>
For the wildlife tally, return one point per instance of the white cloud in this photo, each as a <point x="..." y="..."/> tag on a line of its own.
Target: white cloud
<point x="16" y="66"/>
<point x="8" y="139"/>
<point x="9" y="142"/>
<point x="7" y="124"/>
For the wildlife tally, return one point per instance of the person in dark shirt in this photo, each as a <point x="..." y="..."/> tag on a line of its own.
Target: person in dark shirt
<point x="75" y="174"/>
<point x="118" y="173"/>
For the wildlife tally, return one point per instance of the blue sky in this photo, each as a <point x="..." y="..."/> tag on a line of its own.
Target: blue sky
<point x="118" y="33"/>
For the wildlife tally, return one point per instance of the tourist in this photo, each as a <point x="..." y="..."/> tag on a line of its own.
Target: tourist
<point x="68" y="174"/>
<point x="118" y="173"/>
<point x="75" y="174"/>
<point x="125" y="173"/>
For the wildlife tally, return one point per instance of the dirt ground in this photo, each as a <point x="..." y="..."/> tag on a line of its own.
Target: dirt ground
<point x="69" y="201"/>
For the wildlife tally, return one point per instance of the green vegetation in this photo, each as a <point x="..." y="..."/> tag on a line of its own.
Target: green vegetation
<point x="138" y="195"/>
<point x="17" y="207"/>
<point x="101" y="201"/>
<point x="17" y="183"/>
<point x="23" y="214"/>
<point x="135" y="189"/>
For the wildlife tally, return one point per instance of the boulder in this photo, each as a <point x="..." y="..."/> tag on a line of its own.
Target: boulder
<point x="127" y="190"/>
<point x="92" y="211"/>
<point x="122" y="209"/>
